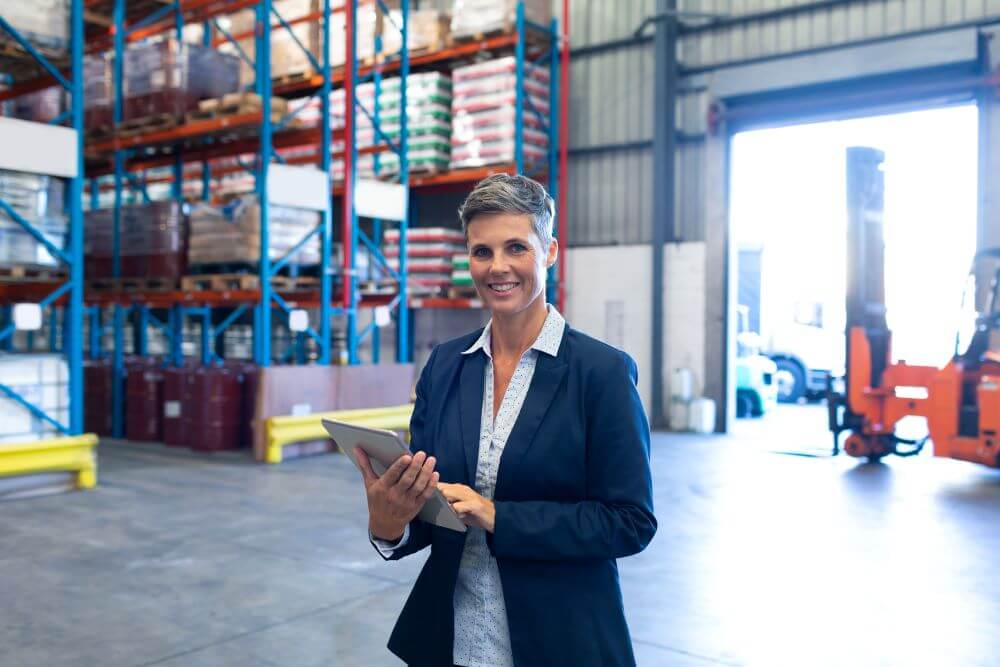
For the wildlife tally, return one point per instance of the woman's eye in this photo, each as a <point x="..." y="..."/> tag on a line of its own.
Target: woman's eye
<point x="517" y="248"/>
<point x="480" y="252"/>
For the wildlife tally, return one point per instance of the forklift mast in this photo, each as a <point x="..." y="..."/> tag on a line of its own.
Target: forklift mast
<point x="866" y="264"/>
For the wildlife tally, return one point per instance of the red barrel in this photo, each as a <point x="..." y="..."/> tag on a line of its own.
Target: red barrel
<point x="97" y="396"/>
<point x="144" y="397"/>
<point x="174" y="433"/>
<point x="213" y="407"/>
<point x="249" y="371"/>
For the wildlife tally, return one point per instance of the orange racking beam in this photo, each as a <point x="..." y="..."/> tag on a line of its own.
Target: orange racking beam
<point x="461" y="50"/>
<point x="312" y="158"/>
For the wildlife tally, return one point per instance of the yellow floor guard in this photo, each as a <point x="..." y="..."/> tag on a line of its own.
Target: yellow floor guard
<point x="283" y="431"/>
<point x="73" y="454"/>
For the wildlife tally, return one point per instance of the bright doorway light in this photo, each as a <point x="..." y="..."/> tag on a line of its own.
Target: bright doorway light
<point x="788" y="197"/>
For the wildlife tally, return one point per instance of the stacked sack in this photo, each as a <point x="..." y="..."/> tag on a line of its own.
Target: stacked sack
<point x="461" y="276"/>
<point x="230" y="233"/>
<point x="429" y="253"/>
<point x="152" y="241"/>
<point x="428" y="123"/>
<point x="39" y="201"/>
<point x="428" y="129"/>
<point x="483" y="106"/>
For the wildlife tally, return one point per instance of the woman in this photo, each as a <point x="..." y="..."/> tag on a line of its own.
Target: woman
<point x="539" y="433"/>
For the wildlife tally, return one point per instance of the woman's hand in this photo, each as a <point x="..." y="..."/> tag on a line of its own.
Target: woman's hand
<point x="472" y="508"/>
<point x="396" y="497"/>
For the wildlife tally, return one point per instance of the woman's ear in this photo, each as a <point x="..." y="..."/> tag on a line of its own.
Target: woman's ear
<point x="553" y="253"/>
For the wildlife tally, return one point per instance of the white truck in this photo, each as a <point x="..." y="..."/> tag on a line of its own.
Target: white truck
<point x="798" y="308"/>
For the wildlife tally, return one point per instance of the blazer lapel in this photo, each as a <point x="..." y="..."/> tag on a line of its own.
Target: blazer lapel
<point x="549" y="374"/>
<point x="470" y="398"/>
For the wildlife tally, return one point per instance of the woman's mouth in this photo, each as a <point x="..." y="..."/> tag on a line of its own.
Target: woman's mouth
<point x="502" y="288"/>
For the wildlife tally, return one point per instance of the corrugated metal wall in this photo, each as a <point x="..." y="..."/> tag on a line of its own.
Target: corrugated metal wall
<point x="612" y="91"/>
<point x="611" y="102"/>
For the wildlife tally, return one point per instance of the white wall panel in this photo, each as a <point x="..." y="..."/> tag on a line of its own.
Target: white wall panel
<point x="608" y="297"/>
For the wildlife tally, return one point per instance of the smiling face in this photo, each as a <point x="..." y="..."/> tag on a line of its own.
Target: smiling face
<point x="508" y="262"/>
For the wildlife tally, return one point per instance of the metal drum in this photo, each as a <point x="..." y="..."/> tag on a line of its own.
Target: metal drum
<point x="144" y="397"/>
<point x="213" y="408"/>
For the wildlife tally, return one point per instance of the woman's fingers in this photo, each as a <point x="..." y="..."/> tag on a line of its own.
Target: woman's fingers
<point x="409" y="475"/>
<point x="424" y="477"/>
<point x="398" y="467"/>
<point x="429" y="491"/>
<point x="366" y="466"/>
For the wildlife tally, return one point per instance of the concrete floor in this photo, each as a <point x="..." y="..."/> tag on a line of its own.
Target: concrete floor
<point x="761" y="559"/>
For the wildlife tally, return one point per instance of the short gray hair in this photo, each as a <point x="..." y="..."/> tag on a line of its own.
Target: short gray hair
<point x="504" y="193"/>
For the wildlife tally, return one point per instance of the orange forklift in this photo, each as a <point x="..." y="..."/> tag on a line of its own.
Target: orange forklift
<point x="961" y="402"/>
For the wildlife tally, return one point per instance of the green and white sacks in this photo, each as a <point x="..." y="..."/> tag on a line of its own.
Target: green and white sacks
<point x="428" y="118"/>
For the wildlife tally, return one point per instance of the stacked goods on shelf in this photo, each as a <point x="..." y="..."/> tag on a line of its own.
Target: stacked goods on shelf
<point x="288" y="47"/>
<point x="429" y="253"/>
<point x="230" y="233"/>
<point x="40" y="379"/>
<point x="428" y="123"/>
<point x="461" y="278"/>
<point x="39" y="201"/>
<point x="165" y="79"/>
<point x="428" y="30"/>
<point x="97" y="111"/>
<point x="44" y="23"/>
<point x="152" y="242"/>
<point x="484" y="99"/>
<point x="40" y="106"/>
<point x="428" y="118"/>
<point x="144" y="397"/>
<point x="475" y="18"/>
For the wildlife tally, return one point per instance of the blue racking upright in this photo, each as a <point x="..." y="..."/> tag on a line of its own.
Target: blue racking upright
<point x="69" y="294"/>
<point x="352" y="233"/>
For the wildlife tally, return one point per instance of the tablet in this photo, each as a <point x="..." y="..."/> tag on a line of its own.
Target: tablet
<point x="383" y="448"/>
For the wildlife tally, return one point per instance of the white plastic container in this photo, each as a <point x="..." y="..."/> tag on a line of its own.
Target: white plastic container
<point x="678" y="415"/>
<point x="682" y="386"/>
<point x="701" y="415"/>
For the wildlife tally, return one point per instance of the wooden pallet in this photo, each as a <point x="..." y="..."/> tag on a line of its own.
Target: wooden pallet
<point x="291" y="78"/>
<point x="220" y="282"/>
<point x="132" y="284"/>
<point x="155" y="123"/>
<point x="235" y="104"/>
<point x="229" y="282"/>
<point x="32" y="273"/>
<point x="377" y="287"/>
<point x="462" y="292"/>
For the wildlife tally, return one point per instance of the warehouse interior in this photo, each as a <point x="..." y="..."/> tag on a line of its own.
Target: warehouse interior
<point x="222" y="221"/>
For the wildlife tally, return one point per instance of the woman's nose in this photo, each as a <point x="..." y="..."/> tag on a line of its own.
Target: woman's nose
<point x="499" y="265"/>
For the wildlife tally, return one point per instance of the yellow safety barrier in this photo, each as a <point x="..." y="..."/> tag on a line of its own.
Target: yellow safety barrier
<point x="73" y="454"/>
<point x="283" y="431"/>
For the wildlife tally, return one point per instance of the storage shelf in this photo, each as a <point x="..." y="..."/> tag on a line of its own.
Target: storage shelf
<point x="456" y="52"/>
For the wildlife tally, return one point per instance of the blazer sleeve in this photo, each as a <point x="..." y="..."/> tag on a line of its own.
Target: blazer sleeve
<point x="419" y="533"/>
<point x="617" y="518"/>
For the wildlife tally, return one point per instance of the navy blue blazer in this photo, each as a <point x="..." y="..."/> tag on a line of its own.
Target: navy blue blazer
<point x="574" y="493"/>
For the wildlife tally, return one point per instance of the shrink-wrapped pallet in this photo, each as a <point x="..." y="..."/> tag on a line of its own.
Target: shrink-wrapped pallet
<point x="230" y="233"/>
<point x="41" y="379"/>
<point x="44" y="23"/>
<point x="152" y="241"/>
<point x="473" y="18"/>
<point x="39" y="201"/>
